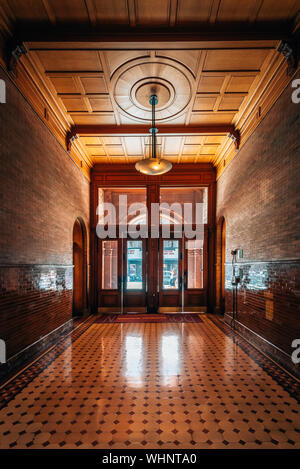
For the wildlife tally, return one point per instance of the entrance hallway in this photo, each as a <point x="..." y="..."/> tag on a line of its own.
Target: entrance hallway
<point x="146" y="385"/>
<point x="149" y="214"/>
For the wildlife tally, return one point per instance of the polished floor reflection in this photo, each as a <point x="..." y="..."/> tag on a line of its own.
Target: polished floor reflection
<point x="168" y="385"/>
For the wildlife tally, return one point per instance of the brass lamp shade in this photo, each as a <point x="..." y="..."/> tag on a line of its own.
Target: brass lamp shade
<point x="153" y="166"/>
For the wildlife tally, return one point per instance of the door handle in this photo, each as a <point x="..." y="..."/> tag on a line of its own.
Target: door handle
<point x="185" y="280"/>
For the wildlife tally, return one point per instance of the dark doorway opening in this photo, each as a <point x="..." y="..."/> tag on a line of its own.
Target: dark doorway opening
<point x="79" y="269"/>
<point x="223" y="259"/>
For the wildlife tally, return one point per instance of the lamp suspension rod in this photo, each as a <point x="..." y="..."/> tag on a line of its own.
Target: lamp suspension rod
<point x="153" y="130"/>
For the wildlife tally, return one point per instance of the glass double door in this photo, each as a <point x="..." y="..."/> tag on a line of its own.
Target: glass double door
<point x="182" y="275"/>
<point x="152" y="275"/>
<point x="122" y="275"/>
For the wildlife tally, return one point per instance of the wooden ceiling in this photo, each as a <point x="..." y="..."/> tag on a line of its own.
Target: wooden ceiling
<point x="95" y="87"/>
<point x="100" y="84"/>
<point x="148" y="12"/>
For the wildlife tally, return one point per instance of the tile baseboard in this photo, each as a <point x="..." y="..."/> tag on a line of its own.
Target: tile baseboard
<point x="17" y="361"/>
<point x="279" y="356"/>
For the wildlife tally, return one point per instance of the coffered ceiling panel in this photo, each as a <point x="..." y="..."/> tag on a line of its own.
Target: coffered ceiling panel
<point x="231" y="102"/>
<point x="133" y="146"/>
<point x="251" y="59"/>
<point x="205" y="103"/>
<point x="116" y="58"/>
<point x="70" y="60"/>
<point x="93" y="84"/>
<point x="100" y="104"/>
<point x="96" y="151"/>
<point x="189" y="58"/>
<point x="194" y="140"/>
<point x="211" y="118"/>
<point x="211" y="83"/>
<point x="172" y="145"/>
<point x="240" y="84"/>
<point x="93" y="118"/>
<point x="111" y="140"/>
<point x="74" y="104"/>
<point x="90" y="140"/>
<point x="64" y="84"/>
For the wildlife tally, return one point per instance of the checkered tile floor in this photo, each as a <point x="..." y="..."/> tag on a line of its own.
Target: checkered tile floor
<point x="151" y="386"/>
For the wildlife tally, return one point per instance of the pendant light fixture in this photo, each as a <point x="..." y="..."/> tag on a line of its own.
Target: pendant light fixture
<point x="153" y="165"/>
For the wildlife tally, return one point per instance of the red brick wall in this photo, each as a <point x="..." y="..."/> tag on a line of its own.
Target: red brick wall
<point x="42" y="193"/>
<point x="258" y="195"/>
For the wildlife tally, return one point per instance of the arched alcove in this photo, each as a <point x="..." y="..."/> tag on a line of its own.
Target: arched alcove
<point x="80" y="268"/>
<point x="223" y="259"/>
<point x="220" y="265"/>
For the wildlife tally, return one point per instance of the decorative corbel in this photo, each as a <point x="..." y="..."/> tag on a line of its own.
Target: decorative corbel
<point x="289" y="50"/>
<point x="14" y="54"/>
<point x="236" y="137"/>
<point x="70" y="138"/>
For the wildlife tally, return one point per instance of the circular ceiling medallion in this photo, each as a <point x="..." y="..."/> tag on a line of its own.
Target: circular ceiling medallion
<point x="136" y="81"/>
<point x="142" y="91"/>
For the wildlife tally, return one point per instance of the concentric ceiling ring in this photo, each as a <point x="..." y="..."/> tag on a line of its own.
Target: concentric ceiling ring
<point x="134" y="83"/>
<point x="142" y="90"/>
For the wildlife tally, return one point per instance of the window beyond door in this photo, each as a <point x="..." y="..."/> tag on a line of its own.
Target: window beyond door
<point x="170" y="264"/>
<point x="134" y="265"/>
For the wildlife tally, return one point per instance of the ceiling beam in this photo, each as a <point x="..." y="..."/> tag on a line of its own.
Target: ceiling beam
<point x="262" y="31"/>
<point x="141" y="130"/>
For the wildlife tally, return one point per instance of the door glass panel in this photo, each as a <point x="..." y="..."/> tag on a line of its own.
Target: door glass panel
<point x="134" y="265"/>
<point x="194" y="252"/>
<point x="129" y="205"/>
<point x="173" y="200"/>
<point x="110" y="265"/>
<point x="170" y="264"/>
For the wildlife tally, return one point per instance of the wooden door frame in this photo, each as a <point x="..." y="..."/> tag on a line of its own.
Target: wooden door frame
<point x="127" y="294"/>
<point x="204" y="289"/>
<point x="109" y="292"/>
<point x="181" y="175"/>
<point x="165" y="292"/>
